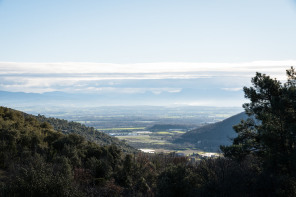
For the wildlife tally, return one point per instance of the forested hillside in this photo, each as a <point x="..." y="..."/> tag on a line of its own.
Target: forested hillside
<point x="89" y="133"/>
<point x="36" y="160"/>
<point x="211" y="136"/>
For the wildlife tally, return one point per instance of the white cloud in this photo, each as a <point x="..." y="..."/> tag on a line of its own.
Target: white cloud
<point x="161" y="67"/>
<point x="232" y="89"/>
<point x="132" y="90"/>
<point x="73" y="76"/>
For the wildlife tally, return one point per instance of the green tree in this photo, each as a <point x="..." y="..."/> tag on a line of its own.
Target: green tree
<point x="269" y="134"/>
<point x="174" y="181"/>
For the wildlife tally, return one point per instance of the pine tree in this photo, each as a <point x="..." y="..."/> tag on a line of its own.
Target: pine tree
<point x="270" y="131"/>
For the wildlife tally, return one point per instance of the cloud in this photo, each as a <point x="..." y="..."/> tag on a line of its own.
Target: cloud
<point x="141" y="68"/>
<point x="232" y="89"/>
<point x="87" y="77"/>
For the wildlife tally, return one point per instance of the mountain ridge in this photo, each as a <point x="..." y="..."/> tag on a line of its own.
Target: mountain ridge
<point x="70" y="127"/>
<point x="211" y="136"/>
<point x="146" y="97"/>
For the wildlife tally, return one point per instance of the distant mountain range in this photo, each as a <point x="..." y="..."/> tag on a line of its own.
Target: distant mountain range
<point x="209" y="97"/>
<point x="211" y="136"/>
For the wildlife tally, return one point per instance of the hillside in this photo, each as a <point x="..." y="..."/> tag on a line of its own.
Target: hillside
<point x="210" y="137"/>
<point x="36" y="160"/>
<point x="89" y="133"/>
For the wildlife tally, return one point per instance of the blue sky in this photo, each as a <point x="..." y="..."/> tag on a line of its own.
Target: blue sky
<point x="137" y="47"/>
<point x="147" y="31"/>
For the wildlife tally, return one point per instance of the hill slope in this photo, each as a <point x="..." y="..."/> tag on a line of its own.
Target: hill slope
<point x="89" y="133"/>
<point x="210" y="137"/>
<point x="36" y="160"/>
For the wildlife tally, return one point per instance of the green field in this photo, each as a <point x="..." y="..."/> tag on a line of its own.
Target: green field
<point x="118" y="129"/>
<point x="160" y="140"/>
<point x="164" y="133"/>
<point x="180" y="132"/>
<point x="146" y="139"/>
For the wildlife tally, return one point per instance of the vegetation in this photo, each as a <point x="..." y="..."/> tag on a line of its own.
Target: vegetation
<point x="89" y="133"/>
<point x="153" y="140"/>
<point x="37" y="160"/>
<point x="269" y="134"/>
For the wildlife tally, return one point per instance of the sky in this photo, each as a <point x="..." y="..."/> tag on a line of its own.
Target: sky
<point x="138" y="31"/>
<point x="97" y="45"/>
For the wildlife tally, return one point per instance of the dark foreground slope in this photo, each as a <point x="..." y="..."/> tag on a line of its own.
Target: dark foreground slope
<point x="210" y="137"/>
<point x="36" y="160"/>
